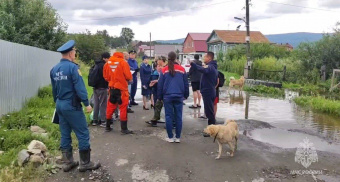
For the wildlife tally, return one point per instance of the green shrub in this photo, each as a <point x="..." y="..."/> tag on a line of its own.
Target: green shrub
<point x="261" y="89"/>
<point x="45" y="92"/>
<point x="233" y="66"/>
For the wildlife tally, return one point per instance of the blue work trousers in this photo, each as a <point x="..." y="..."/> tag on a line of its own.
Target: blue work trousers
<point x="72" y="119"/>
<point x="208" y="100"/>
<point x="173" y="112"/>
<point x="133" y="88"/>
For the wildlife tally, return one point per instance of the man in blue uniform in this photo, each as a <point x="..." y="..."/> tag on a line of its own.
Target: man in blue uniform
<point x="208" y="85"/>
<point x="68" y="92"/>
<point x="133" y="67"/>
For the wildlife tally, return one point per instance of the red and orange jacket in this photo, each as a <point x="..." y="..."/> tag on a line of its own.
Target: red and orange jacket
<point x="117" y="72"/>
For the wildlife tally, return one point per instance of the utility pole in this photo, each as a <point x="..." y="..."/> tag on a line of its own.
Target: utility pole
<point x="150" y="45"/>
<point x="247" y="66"/>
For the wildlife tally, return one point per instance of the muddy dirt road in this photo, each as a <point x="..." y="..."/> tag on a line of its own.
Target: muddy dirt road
<point x="145" y="156"/>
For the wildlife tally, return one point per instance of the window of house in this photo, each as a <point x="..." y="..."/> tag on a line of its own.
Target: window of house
<point x="192" y="44"/>
<point x="215" y="48"/>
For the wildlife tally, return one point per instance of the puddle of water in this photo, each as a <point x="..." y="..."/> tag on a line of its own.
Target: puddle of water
<point x="281" y="113"/>
<point x="286" y="139"/>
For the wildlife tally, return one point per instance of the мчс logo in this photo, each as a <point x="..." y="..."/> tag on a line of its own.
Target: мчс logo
<point x="306" y="153"/>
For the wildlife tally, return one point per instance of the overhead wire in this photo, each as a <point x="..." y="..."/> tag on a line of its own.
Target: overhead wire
<point x="157" y="13"/>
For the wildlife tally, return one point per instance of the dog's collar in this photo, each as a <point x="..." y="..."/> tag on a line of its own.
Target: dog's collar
<point x="215" y="137"/>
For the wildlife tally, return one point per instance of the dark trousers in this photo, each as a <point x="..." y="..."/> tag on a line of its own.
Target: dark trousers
<point x="173" y="112"/>
<point x="72" y="119"/>
<point x="208" y="101"/>
<point x="133" y="88"/>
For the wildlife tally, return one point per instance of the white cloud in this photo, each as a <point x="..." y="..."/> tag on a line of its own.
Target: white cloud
<point x="266" y="17"/>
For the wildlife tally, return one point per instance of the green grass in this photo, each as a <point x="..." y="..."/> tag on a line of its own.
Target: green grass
<point x="227" y="76"/>
<point x="320" y="104"/>
<point x="264" y="90"/>
<point x="15" y="133"/>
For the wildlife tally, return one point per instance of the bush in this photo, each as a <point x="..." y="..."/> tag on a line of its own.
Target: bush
<point x="233" y="66"/>
<point x="261" y="89"/>
<point x="45" y="92"/>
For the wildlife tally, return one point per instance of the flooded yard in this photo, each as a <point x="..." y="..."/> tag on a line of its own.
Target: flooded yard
<point x="291" y="123"/>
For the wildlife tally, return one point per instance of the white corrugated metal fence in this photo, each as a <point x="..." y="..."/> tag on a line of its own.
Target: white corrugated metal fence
<point x="23" y="70"/>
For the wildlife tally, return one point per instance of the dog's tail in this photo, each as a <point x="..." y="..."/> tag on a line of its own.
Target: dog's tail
<point x="232" y="78"/>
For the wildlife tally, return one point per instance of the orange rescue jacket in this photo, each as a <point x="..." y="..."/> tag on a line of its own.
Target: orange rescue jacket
<point x="117" y="72"/>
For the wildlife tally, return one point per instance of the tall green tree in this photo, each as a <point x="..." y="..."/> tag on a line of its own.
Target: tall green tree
<point x="117" y="42"/>
<point x="107" y="38"/>
<point x="89" y="47"/>
<point x="31" y="22"/>
<point x="127" y="34"/>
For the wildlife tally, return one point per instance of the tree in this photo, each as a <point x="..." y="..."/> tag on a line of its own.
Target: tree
<point x="127" y="34"/>
<point x="117" y="42"/>
<point x="337" y="28"/>
<point x="31" y="22"/>
<point x="90" y="47"/>
<point x="323" y="52"/>
<point x="107" y="38"/>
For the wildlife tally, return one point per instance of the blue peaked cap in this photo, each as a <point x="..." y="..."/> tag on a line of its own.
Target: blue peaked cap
<point x="68" y="46"/>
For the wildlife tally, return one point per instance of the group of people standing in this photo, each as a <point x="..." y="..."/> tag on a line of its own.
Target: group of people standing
<point x="114" y="82"/>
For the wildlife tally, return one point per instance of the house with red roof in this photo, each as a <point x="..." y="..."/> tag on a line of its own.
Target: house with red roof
<point x="194" y="43"/>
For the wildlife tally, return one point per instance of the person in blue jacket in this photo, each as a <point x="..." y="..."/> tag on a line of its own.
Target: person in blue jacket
<point x="209" y="82"/>
<point x="69" y="92"/>
<point x="173" y="87"/>
<point x="133" y="67"/>
<point x="145" y="74"/>
<point x="154" y="80"/>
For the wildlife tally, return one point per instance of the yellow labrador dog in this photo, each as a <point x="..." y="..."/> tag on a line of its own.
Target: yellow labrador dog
<point x="224" y="134"/>
<point x="234" y="82"/>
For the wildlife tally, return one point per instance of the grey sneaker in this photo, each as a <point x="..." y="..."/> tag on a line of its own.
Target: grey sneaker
<point x="177" y="140"/>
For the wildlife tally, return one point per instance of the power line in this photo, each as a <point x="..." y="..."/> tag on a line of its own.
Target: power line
<point x="158" y="13"/>
<point x="298" y="6"/>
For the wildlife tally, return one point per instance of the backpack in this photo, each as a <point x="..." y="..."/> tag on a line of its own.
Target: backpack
<point x="221" y="79"/>
<point x="93" y="75"/>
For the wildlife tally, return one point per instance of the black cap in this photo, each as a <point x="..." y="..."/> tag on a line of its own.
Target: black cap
<point x="132" y="52"/>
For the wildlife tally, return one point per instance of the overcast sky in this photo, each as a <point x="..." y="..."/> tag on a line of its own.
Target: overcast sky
<point x="173" y="19"/>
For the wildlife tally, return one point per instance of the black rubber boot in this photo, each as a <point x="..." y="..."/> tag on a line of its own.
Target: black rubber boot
<point x="153" y="123"/>
<point x="85" y="161"/>
<point x="124" y="129"/>
<point x="68" y="161"/>
<point x="108" y="125"/>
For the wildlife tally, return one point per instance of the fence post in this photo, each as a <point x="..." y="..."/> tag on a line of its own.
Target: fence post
<point x="284" y="73"/>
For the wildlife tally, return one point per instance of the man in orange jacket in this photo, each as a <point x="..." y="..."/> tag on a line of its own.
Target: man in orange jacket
<point x="117" y="73"/>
